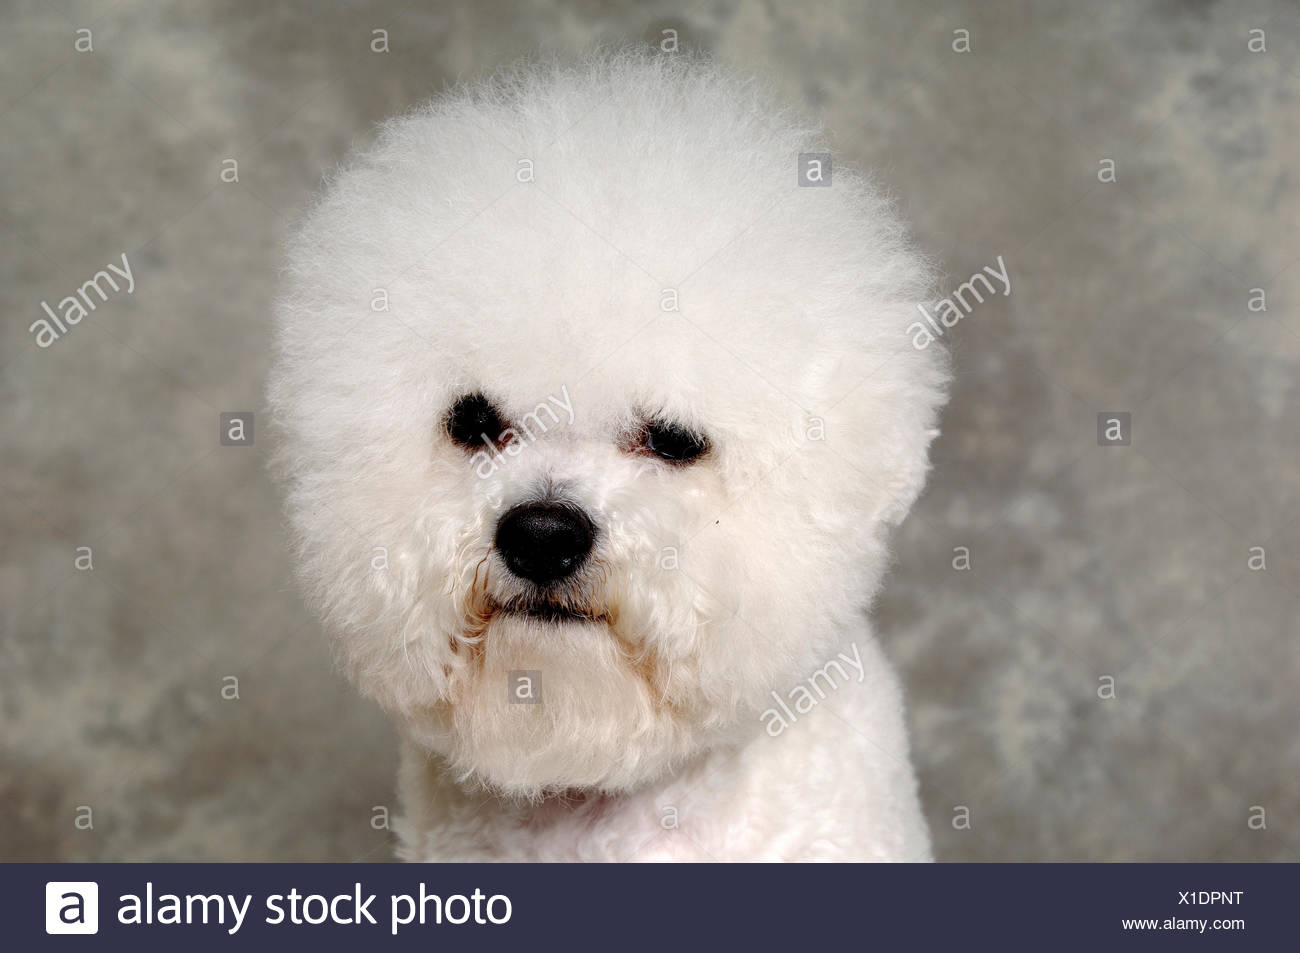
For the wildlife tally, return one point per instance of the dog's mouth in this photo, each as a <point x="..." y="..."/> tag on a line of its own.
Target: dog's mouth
<point x="550" y="611"/>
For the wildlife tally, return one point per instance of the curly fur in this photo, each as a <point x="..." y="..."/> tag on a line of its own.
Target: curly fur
<point x="432" y="267"/>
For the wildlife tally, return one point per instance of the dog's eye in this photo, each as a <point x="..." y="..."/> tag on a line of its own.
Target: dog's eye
<point x="673" y="443"/>
<point x="473" y="421"/>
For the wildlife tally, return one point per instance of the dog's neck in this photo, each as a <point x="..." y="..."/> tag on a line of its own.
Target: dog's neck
<point x="469" y="822"/>
<point x="833" y="781"/>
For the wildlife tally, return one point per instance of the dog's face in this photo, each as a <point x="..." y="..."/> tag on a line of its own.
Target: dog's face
<point x="592" y="420"/>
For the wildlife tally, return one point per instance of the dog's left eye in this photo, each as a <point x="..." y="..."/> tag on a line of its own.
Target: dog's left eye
<point x="473" y="421"/>
<point x="674" y="443"/>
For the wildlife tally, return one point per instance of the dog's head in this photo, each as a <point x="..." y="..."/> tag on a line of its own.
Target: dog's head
<point x="595" y="407"/>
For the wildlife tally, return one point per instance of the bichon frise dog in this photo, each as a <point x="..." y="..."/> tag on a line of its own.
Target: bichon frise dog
<point x="596" y="407"/>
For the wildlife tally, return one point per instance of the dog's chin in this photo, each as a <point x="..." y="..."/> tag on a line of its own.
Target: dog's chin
<point x="554" y="702"/>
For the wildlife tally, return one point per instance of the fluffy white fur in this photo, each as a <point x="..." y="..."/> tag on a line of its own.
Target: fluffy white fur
<point x="432" y="267"/>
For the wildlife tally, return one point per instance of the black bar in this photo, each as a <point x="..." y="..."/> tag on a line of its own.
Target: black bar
<point x="978" y="907"/>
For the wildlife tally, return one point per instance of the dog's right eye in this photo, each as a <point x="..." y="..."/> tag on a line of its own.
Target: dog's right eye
<point x="673" y="443"/>
<point x="473" y="421"/>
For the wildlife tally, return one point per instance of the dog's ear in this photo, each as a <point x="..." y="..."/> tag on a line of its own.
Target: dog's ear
<point x="929" y="372"/>
<point x="885" y="393"/>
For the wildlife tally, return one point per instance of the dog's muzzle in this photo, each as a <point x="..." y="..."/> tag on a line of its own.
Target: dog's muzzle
<point x="546" y="541"/>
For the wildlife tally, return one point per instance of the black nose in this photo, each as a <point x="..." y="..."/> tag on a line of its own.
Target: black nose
<point x="544" y="541"/>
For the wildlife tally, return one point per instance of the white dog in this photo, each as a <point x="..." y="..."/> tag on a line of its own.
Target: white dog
<point x="597" y="406"/>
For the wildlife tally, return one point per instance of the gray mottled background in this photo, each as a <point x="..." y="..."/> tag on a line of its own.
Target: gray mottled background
<point x="1086" y="562"/>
